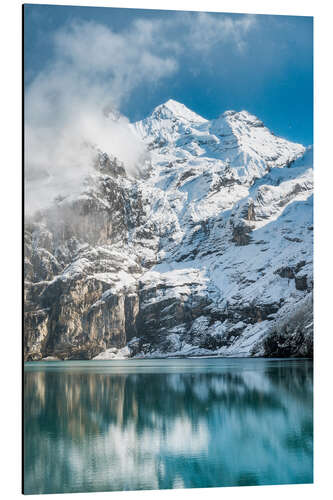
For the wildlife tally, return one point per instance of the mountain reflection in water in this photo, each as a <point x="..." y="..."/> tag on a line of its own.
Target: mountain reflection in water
<point x="154" y="424"/>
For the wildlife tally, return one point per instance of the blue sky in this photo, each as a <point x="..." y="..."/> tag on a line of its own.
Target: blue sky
<point x="138" y="59"/>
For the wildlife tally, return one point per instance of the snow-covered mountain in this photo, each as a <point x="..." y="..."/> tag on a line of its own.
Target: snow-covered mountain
<point x="208" y="252"/>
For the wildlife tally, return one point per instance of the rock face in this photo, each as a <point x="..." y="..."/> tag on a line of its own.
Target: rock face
<point x="208" y="252"/>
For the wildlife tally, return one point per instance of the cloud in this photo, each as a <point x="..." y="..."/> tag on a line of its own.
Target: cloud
<point x="93" y="69"/>
<point x="210" y="30"/>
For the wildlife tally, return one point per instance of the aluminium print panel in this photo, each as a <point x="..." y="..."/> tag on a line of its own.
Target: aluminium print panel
<point x="168" y="249"/>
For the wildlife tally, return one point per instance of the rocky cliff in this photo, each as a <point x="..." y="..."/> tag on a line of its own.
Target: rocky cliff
<point x="208" y="251"/>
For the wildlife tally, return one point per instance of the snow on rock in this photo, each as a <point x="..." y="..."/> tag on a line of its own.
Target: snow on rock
<point x="200" y="256"/>
<point x="114" y="353"/>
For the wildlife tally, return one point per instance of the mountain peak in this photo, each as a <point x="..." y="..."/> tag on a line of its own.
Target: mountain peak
<point x="173" y="105"/>
<point x="241" y="116"/>
<point x="236" y="137"/>
<point x="172" y="108"/>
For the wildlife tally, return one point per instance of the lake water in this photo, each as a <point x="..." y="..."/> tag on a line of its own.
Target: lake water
<point x="177" y="423"/>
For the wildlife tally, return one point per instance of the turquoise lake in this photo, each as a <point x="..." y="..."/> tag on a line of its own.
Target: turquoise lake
<point x="176" y="423"/>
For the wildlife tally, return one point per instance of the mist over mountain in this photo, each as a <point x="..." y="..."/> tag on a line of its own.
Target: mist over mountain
<point x="179" y="236"/>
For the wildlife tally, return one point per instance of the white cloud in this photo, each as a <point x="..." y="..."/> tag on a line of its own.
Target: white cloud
<point x="95" y="68"/>
<point x="209" y="30"/>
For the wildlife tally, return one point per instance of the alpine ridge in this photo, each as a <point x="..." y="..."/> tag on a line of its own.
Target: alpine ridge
<point x="208" y="252"/>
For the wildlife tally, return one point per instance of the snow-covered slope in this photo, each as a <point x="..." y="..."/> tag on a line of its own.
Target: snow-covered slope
<point x="210" y="252"/>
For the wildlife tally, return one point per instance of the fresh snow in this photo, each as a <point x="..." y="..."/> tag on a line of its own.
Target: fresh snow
<point x="206" y="180"/>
